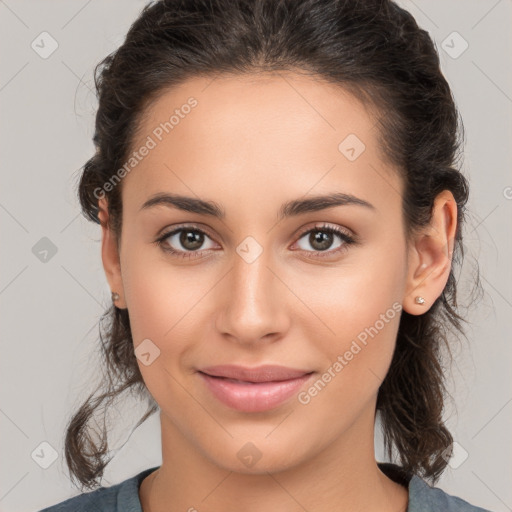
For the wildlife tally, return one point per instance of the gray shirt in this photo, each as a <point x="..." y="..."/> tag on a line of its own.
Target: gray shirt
<point x="124" y="496"/>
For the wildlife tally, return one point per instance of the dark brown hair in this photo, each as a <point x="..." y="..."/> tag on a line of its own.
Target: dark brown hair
<point x="373" y="49"/>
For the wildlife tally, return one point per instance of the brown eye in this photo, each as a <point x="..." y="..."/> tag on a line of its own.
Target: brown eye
<point x="321" y="239"/>
<point x="191" y="240"/>
<point x="186" y="242"/>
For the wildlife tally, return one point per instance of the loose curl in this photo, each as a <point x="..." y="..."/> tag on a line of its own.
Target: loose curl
<point x="373" y="49"/>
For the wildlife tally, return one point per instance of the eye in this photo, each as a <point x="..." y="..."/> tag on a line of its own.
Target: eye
<point x="321" y="239"/>
<point x="190" y="238"/>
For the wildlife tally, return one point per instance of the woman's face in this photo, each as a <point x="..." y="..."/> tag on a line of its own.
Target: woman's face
<point x="259" y="286"/>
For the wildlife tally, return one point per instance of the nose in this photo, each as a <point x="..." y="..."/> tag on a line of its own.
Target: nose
<point x="252" y="303"/>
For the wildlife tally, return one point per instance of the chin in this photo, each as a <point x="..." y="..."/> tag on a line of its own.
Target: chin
<point x="258" y="456"/>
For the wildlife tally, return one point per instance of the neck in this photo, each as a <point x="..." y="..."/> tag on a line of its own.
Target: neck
<point x="342" y="476"/>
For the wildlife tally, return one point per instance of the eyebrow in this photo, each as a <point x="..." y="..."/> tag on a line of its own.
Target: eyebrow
<point x="289" y="209"/>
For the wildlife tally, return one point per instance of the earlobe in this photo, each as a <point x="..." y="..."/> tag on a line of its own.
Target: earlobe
<point x="430" y="255"/>
<point x="110" y="256"/>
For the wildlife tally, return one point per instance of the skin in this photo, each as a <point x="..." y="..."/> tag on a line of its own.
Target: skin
<point x="251" y="144"/>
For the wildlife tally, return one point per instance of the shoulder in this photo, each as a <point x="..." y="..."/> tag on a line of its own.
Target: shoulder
<point x="121" y="497"/>
<point x="424" y="498"/>
<point x="103" y="499"/>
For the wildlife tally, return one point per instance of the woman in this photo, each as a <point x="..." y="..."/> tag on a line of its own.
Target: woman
<point x="281" y="213"/>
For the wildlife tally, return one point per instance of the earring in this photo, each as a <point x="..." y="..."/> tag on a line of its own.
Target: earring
<point x="115" y="296"/>
<point x="419" y="300"/>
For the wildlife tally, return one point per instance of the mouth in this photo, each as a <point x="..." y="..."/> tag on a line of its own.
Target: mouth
<point x="253" y="396"/>
<point x="264" y="373"/>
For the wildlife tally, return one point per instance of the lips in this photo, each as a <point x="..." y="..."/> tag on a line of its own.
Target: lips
<point x="265" y="373"/>
<point x="254" y="389"/>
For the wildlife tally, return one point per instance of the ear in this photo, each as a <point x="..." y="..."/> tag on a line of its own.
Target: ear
<point x="430" y="256"/>
<point x="110" y="255"/>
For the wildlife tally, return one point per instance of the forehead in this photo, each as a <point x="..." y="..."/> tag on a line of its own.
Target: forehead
<point x="267" y="133"/>
<point x="245" y="105"/>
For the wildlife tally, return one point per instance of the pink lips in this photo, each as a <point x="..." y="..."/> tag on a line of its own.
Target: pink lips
<point x="253" y="389"/>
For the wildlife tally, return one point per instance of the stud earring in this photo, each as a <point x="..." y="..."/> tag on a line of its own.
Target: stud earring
<point x="419" y="300"/>
<point x="115" y="296"/>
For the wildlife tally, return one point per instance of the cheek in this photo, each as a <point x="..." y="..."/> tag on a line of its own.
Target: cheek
<point x="163" y="321"/>
<point x="164" y="304"/>
<point x="356" y="361"/>
<point x="161" y="296"/>
<point x="356" y="316"/>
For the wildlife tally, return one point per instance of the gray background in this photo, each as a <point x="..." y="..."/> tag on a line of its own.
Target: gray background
<point x="50" y="309"/>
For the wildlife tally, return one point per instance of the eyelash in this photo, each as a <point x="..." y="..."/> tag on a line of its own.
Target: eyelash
<point x="346" y="238"/>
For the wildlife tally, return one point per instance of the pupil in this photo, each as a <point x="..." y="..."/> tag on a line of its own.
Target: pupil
<point x="323" y="238"/>
<point x="191" y="239"/>
<point x="320" y="239"/>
